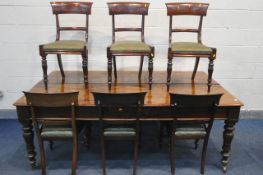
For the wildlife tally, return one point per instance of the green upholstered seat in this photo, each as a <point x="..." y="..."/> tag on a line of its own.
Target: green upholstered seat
<point x="59" y="131"/>
<point x="71" y="45"/>
<point x="191" y="130"/>
<point x="130" y="46"/>
<point x="190" y="48"/>
<point x="119" y="131"/>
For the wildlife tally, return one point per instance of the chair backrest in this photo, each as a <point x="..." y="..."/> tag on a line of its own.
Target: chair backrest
<point x="44" y="109"/>
<point x="65" y="7"/>
<point x="119" y="105"/>
<point x="46" y="106"/>
<point x="194" y="105"/>
<point x="193" y="9"/>
<point x="128" y="8"/>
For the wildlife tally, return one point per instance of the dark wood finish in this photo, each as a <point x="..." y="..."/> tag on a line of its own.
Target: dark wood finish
<point x="129" y="8"/>
<point x="39" y="104"/>
<point x="60" y="8"/>
<point x="201" y="106"/>
<point x="122" y="8"/>
<point x="74" y="7"/>
<point x="115" y="109"/>
<point x="198" y="9"/>
<point x="193" y="9"/>
<point x="156" y="107"/>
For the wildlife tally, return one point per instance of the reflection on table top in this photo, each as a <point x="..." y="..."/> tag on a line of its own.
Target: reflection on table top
<point x="128" y="82"/>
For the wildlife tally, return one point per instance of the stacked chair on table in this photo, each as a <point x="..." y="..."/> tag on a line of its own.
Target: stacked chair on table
<point x="197" y="49"/>
<point x="119" y="118"/>
<point x="202" y="108"/>
<point x="128" y="47"/>
<point x="73" y="47"/>
<point x="50" y="126"/>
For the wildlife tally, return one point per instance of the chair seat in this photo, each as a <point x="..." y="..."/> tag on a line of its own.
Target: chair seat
<point x="68" y="45"/>
<point x="57" y="131"/>
<point x="190" y="130"/>
<point x="119" y="132"/>
<point x="130" y="46"/>
<point x="190" y="48"/>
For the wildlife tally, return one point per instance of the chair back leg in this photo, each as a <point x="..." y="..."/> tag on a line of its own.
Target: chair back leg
<point x="202" y="170"/>
<point x="135" y="155"/>
<point x="60" y="66"/>
<point x="195" y="68"/>
<point x="74" y="157"/>
<point x="141" y="66"/>
<point x="103" y="155"/>
<point x="42" y="157"/>
<point x="115" y="67"/>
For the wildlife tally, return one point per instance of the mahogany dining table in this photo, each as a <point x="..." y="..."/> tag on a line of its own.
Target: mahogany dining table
<point x="156" y="107"/>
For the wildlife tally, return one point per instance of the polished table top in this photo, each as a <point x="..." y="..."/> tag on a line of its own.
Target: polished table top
<point x="128" y="82"/>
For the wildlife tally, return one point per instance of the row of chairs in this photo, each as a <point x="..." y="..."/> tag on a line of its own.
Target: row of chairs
<point x="119" y="117"/>
<point x="126" y="47"/>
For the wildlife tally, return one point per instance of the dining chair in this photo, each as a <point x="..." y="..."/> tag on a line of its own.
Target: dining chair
<point x="202" y="110"/>
<point x="72" y="47"/>
<point x="129" y="47"/>
<point x="195" y="50"/>
<point x="50" y="127"/>
<point x="119" y="118"/>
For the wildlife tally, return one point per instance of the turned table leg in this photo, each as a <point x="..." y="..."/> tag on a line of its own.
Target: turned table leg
<point x="28" y="134"/>
<point x="228" y="136"/>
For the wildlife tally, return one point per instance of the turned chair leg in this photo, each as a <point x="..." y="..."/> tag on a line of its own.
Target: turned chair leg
<point x="85" y="65"/>
<point x="210" y="73"/>
<point x="195" y="68"/>
<point x="169" y="72"/>
<point x="141" y="66"/>
<point x="109" y="56"/>
<point x="60" y="66"/>
<point x="211" y="68"/>
<point x="44" y="67"/>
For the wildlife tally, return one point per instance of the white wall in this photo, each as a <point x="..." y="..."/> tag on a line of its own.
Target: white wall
<point x="235" y="27"/>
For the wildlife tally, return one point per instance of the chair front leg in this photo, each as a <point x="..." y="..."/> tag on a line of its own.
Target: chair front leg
<point x="109" y="56"/>
<point x="85" y="65"/>
<point x="135" y="154"/>
<point x="150" y="67"/>
<point x="74" y="156"/>
<point x="103" y="155"/>
<point x="169" y="68"/>
<point x="211" y="68"/>
<point x="172" y="156"/>
<point x="44" y="67"/>
<point x="202" y="170"/>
